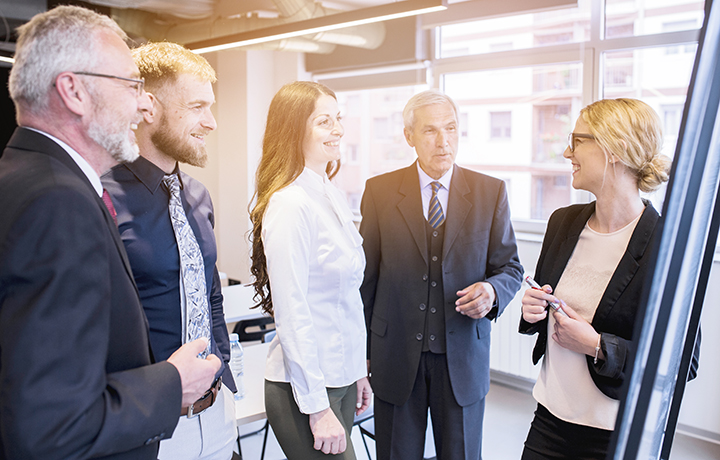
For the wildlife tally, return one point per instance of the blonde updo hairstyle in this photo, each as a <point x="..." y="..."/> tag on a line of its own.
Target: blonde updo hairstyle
<point x="630" y="130"/>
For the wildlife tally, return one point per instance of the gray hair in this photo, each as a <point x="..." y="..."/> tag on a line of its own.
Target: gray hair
<point x="60" y="40"/>
<point x="423" y="99"/>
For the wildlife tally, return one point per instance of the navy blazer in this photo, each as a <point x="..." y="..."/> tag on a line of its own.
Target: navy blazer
<point x="479" y="245"/>
<point x="616" y="313"/>
<point x="76" y="372"/>
<point x="141" y="202"/>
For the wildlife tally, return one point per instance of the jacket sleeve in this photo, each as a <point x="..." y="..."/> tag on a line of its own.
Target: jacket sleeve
<point x="503" y="265"/>
<point x="370" y="232"/>
<point x="59" y="399"/>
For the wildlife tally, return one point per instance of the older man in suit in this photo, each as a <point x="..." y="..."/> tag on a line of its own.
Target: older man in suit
<point x="441" y="264"/>
<point x="77" y="376"/>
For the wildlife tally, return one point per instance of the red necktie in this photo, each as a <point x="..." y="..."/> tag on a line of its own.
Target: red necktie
<point x="109" y="205"/>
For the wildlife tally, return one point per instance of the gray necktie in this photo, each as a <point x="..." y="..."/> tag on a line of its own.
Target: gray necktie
<point x="435" y="212"/>
<point x="192" y="267"/>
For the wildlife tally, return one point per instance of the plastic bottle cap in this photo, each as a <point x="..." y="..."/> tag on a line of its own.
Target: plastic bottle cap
<point x="234" y="338"/>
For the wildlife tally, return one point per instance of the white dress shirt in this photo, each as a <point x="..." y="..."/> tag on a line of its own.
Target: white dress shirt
<point x="426" y="189"/>
<point x="315" y="263"/>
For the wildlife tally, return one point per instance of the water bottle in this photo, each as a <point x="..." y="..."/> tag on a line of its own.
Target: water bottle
<point x="237" y="366"/>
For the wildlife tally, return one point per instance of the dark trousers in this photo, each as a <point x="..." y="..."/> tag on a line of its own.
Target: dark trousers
<point x="552" y="438"/>
<point x="292" y="427"/>
<point x="400" y="430"/>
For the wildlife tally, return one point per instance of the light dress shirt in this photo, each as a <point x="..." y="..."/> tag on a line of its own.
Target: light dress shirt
<point x="426" y="189"/>
<point x="564" y="385"/>
<point x="315" y="263"/>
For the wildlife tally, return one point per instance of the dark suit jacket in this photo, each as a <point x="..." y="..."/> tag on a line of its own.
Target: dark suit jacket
<point x="76" y="372"/>
<point x="616" y="313"/>
<point x="479" y="245"/>
<point x="141" y="202"/>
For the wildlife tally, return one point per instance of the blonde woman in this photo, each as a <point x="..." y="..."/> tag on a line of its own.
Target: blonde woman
<point x="308" y="264"/>
<point x="595" y="257"/>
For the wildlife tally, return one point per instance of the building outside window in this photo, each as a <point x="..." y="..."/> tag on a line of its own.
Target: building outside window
<point x="520" y="100"/>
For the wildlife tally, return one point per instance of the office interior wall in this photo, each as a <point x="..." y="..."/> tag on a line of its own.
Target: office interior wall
<point x="247" y="81"/>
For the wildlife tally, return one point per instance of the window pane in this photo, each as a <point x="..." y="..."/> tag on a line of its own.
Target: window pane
<point x="628" y="18"/>
<point x="373" y="142"/>
<point x="644" y="74"/>
<point x="568" y="25"/>
<point x="517" y="125"/>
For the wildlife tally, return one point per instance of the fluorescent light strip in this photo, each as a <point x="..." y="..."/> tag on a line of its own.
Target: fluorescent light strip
<point x="7" y="59"/>
<point x="314" y="30"/>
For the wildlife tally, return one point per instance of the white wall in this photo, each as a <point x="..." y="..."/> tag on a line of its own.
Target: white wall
<point x="247" y="81"/>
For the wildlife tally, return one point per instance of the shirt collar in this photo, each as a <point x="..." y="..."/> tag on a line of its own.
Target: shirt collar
<point x="312" y="179"/>
<point x="82" y="163"/>
<point x="150" y="174"/>
<point x="425" y="180"/>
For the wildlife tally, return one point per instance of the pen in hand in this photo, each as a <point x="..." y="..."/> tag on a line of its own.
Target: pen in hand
<point x="552" y="305"/>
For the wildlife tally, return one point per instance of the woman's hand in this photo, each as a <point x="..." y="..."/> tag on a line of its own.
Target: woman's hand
<point x="574" y="333"/>
<point x="535" y="302"/>
<point x="328" y="432"/>
<point x="364" y="393"/>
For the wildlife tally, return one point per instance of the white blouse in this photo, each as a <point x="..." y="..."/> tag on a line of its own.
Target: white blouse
<point x="315" y="263"/>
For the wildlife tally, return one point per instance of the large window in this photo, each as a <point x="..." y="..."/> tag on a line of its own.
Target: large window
<point x="520" y="99"/>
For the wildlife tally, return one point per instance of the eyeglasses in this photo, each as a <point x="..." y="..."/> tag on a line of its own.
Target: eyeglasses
<point x="137" y="85"/>
<point x="573" y="136"/>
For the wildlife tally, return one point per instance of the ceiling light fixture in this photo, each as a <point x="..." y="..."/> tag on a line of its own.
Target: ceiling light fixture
<point x="336" y="21"/>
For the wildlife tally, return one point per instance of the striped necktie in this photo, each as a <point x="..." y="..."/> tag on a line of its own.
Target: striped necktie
<point x="192" y="267"/>
<point x="435" y="212"/>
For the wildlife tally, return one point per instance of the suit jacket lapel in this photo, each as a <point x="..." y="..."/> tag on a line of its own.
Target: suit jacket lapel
<point x="561" y="258"/>
<point x="629" y="263"/>
<point x="410" y="208"/>
<point x="27" y="139"/>
<point x="458" y="209"/>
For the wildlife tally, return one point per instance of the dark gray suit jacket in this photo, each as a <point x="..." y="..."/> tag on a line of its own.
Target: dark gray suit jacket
<point x="76" y="372"/>
<point x="479" y="245"/>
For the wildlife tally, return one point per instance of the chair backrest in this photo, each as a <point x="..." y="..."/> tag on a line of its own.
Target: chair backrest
<point x="250" y="330"/>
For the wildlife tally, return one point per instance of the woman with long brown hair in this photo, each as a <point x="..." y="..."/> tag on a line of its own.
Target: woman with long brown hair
<point x="308" y="264"/>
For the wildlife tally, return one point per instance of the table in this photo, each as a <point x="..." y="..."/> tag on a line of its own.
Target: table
<point x="252" y="406"/>
<point x="237" y="300"/>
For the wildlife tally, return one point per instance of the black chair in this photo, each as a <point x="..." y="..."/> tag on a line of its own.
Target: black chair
<point x="251" y="330"/>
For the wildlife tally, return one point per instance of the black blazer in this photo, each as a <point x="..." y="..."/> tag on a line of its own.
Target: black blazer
<point x="616" y="313"/>
<point x="76" y="372"/>
<point x="479" y="245"/>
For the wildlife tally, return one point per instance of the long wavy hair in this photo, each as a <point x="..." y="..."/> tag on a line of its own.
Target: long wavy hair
<point x="281" y="163"/>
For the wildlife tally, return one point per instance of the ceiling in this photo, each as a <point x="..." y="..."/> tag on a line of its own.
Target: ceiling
<point x="186" y="21"/>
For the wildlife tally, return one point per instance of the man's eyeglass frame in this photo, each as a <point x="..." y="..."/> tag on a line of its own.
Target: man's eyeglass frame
<point x="139" y="84"/>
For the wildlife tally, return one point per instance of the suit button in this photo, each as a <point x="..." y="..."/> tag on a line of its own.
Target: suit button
<point x="432" y="337"/>
<point x="422" y="307"/>
<point x="433" y="284"/>
<point x="418" y="336"/>
<point x="434" y="258"/>
<point x="425" y="277"/>
<point x="435" y="234"/>
<point x="432" y="310"/>
<point x="154" y="439"/>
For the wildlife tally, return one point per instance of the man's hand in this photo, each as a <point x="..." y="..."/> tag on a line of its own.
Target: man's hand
<point x="196" y="375"/>
<point x="364" y="393"/>
<point x="328" y="432"/>
<point x="476" y="300"/>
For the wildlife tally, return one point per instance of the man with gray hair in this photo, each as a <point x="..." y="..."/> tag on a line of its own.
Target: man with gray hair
<point x="441" y="264"/>
<point x="77" y="375"/>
